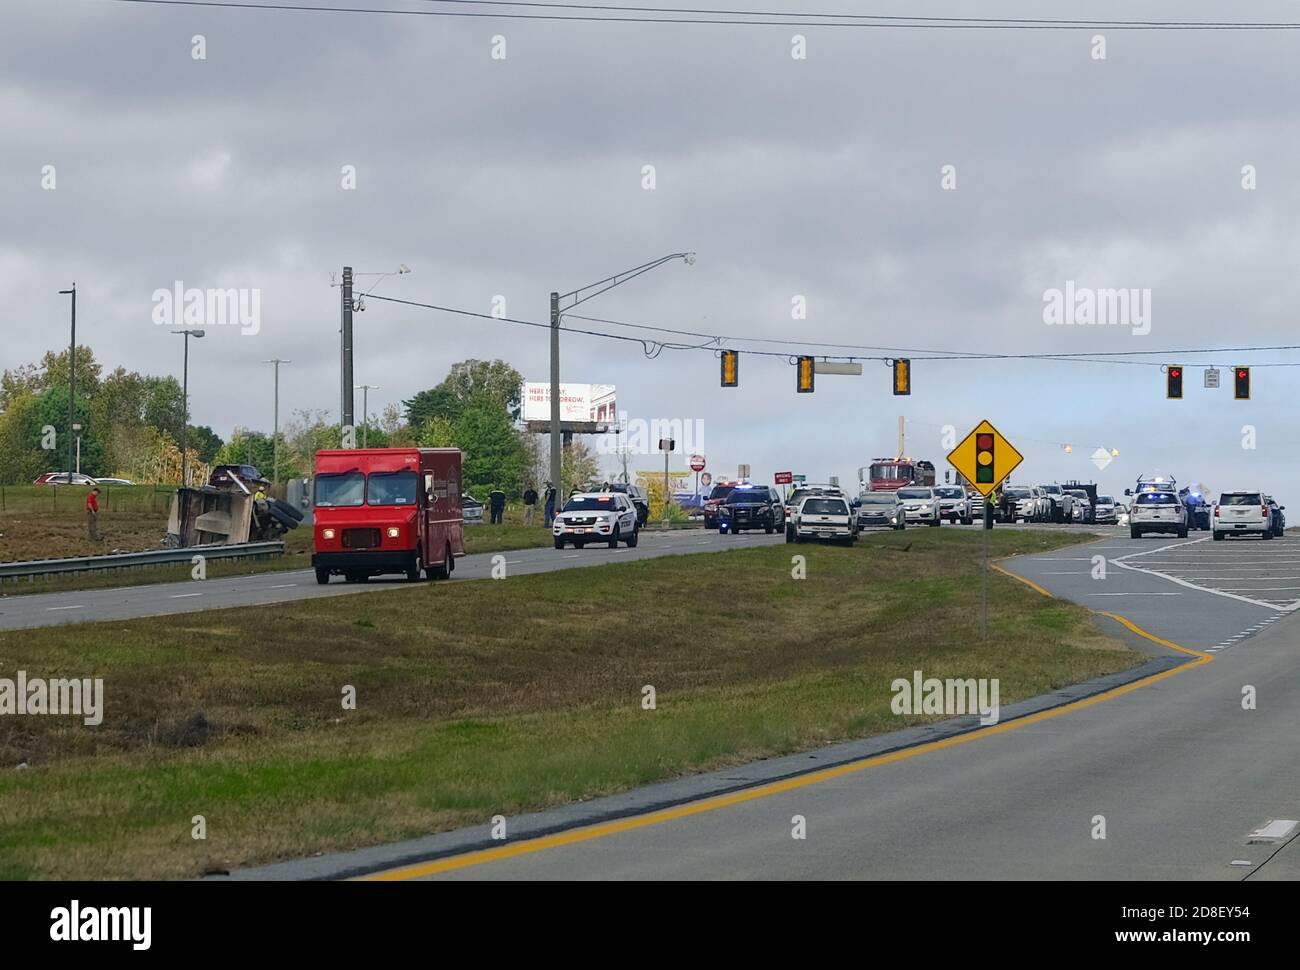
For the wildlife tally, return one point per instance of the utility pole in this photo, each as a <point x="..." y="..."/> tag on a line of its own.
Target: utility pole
<point x="72" y="375"/>
<point x="365" y="390"/>
<point x="275" y="426"/>
<point x="345" y="348"/>
<point x="185" y="402"/>
<point x="556" y="449"/>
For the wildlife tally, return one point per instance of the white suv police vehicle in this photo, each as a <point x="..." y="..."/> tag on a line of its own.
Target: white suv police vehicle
<point x="1242" y="513"/>
<point x="823" y="517"/>
<point x="608" y="517"/>
<point x="1157" y="511"/>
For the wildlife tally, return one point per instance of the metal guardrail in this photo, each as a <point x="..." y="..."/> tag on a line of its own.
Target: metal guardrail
<point x="127" y="560"/>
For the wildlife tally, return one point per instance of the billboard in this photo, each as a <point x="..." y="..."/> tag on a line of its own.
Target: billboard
<point x="578" y="402"/>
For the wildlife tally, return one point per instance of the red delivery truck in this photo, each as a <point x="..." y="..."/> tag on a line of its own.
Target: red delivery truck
<point x="387" y="510"/>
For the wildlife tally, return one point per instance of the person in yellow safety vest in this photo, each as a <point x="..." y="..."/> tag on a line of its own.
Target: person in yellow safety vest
<point x="260" y="495"/>
<point x="995" y="502"/>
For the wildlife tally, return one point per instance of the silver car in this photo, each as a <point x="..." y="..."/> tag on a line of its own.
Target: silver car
<point x="953" y="503"/>
<point x="880" y="510"/>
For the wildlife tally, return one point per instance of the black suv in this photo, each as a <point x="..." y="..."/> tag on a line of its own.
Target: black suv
<point x="752" y="507"/>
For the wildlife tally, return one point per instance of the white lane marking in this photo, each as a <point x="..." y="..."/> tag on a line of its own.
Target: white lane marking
<point x="575" y="555"/>
<point x="1274" y="830"/>
<point x="283" y="586"/>
<point x="1134" y="593"/>
<point x="1069" y="572"/>
<point x="1263" y="604"/>
<point x="52" y="609"/>
<point x="181" y="596"/>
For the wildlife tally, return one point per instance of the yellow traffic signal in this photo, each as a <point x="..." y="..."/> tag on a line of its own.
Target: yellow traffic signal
<point x="806" y="371"/>
<point x="902" y="376"/>
<point x="730" y="368"/>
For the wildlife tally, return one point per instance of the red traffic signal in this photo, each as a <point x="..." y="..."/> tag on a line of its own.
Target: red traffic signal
<point x="1241" y="383"/>
<point x="1174" y="381"/>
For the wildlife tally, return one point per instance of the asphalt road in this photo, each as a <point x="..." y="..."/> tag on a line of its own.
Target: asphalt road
<point x="80" y="606"/>
<point x="1181" y="773"/>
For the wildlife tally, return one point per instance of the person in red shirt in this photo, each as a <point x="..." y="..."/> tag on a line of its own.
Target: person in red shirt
<point x="92" y="514"/>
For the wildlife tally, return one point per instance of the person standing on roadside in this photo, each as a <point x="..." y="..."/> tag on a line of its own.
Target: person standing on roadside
<point x="92" y="514"/>
<point x="497" y="503"/>
<point x="530" y="503"/>
<point x="550" y="504"/>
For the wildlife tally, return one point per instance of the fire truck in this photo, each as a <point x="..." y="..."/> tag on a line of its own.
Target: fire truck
<point x="891" y="474"/>
<point x="387" y="510"/>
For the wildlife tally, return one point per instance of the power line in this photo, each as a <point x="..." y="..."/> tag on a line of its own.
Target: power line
<point x="714" y="344"/>
<point x="792" y="19"/>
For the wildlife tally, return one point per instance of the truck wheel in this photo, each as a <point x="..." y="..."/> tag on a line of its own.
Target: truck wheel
<point x="281" y="515"/>
<point x="615" y="538"/>
<point x="634" y="538"/>
<point x="322" y="575"/>
<point x="1218" y="537"/>
<point x="967" y="521"/>
<point x="415" y="571"/>
<point x="442" y="571"/>
<point x="559" y="543"/>
<point x="285" y="507"/>
<point x="1182" y="533"/>
<point x="1134" y="534"/>
<point x="1268" y="533"/>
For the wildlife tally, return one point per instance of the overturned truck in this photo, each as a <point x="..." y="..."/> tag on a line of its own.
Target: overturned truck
<point x="227" y="513"/>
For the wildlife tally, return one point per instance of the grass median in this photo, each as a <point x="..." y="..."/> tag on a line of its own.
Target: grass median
<point x="496" y="697"/>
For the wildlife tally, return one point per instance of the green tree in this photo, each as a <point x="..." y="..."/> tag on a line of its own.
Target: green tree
<point x="206" y="443"/>
<point x="21" y="457"/>
<point x="468" y="382"/>
<point x="494" y="455"/>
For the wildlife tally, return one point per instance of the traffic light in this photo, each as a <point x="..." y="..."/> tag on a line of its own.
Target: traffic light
<point x="984" y="465"/>
<point x="805" y="375"/>
<point x="1241" y="383"/>
<point x="730" y="368"/>
<point x="1174" y="381"/>
<point x="902" y="376"/>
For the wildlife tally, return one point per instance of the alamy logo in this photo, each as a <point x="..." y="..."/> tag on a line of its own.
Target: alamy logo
<point x="950" y="697"/>
<point x="82" y="698"/>
<point x="208" y="308"/>
<point x="1084" y="307"/>
<point x="641" y="437"/>
<point x="73" y="924"/>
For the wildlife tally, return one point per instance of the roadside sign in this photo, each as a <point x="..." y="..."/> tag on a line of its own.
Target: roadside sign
<point x="985" y="458"/>
<point x="742" y="471"/>
<point x="697" y="463"/>
<point x="1212" y="377"/>
<point x="784" y="478"/>
<point x="706" y="479"/>
<point x="800" y="478"/>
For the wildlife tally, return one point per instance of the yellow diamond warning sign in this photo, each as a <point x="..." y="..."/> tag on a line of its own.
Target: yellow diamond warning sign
<point x="985" y="458"/>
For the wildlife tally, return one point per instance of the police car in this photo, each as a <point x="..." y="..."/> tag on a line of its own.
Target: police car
<point x="608" y="517"/>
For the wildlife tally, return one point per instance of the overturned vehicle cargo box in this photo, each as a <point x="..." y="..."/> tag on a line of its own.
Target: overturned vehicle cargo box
<point x="217" y="516"/>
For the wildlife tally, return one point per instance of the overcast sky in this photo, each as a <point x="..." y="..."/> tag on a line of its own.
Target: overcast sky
<point x="817" y="177"/>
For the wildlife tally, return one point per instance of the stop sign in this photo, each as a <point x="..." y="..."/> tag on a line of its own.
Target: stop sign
<point x="697" y="463"/>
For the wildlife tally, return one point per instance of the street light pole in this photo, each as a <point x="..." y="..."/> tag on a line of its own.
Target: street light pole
<point x="72" y="374"/>
<point x="275" y="427"/>
<point x="365" y="390"/>
<point x="185" y="402"/>
<point x="558" y="308"/>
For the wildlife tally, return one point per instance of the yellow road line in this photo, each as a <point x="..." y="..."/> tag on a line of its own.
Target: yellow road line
<point x="590" y="832"/>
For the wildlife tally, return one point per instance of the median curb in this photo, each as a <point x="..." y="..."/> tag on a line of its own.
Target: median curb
<point x="678" y="791"/>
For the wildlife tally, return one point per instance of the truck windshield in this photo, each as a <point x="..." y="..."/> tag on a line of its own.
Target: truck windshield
<point x="335" y="490"/>
<point x="392" y="488"/>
